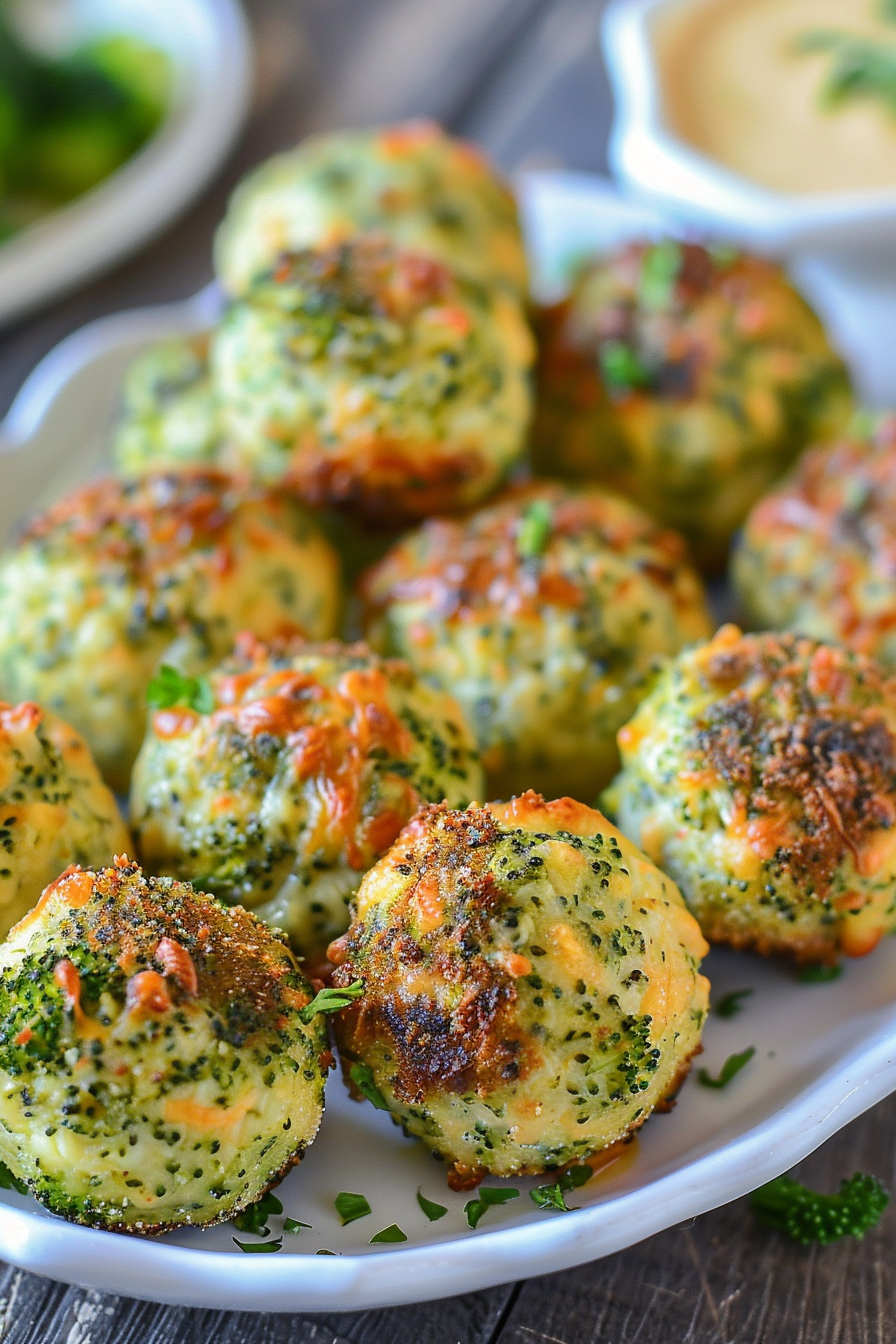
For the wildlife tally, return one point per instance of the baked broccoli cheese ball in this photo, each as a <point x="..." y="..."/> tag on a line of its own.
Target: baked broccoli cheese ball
<point x="410" y="183"/>
<point x="687" y="378"/>
<point x="760" y="774"/>
<point x="818" y="555"/>
<point x="544" y="614"/>
<point x="532" y="986"/>
<point x="304" y="772"/>
<point x="374" y="380"/>
<point x="123" y="576"/>
<point x="155" y="1069"/>
<point x="54" y="808"/>
<point x="168" y="416"/>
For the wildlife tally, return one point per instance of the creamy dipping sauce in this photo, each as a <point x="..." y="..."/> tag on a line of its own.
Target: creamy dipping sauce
<point x="735" y="87"/>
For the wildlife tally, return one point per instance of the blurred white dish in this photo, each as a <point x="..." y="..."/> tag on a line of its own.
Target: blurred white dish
<point x="208" y="43"/>
<point x="824" y="1053"/>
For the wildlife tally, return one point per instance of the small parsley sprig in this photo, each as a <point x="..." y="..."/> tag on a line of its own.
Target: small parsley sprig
<point x="255" y="1217"/>
<point x="331" y="1000"/>
<point x="729" y="1005"/>
<point x="432" y="1210"/>
<point x="488" y="1197"/>
<point x="534" y="529"/>
<point x="362" y="1077"/>
<point x="732" y="1066"/>
<point x="351" y="1207"/>
<point x="819" y="975"/>
<point x="861" y="67"/>
<point x="554" y="1196"/>
<point x="169" y="687"/>
<point x="806" y="1216"/>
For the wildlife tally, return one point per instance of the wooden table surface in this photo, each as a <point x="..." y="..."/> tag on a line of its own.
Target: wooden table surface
<point x="524" y="77"/>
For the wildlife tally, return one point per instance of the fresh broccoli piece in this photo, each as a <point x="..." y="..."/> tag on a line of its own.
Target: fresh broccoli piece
<point x="805" y="1216"/>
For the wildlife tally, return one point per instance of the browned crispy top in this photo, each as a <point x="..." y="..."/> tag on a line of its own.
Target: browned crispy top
<point x="447" y="1011"/>
<point x="803" y="735"/>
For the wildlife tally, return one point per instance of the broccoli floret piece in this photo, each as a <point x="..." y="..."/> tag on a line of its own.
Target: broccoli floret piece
<point x="806" y="1216"/>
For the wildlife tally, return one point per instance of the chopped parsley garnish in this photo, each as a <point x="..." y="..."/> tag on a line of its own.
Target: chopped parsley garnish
<point x="554" y="1196"/>
<point x="254" y="1218"/>
<point x="259" y="1247"/>
<point x="323" y="1252"/>
<point x="170" y="687"/>
<point x="535" y="529"/>
<point x="805" y="1216"/>
<point x="732" y="1066"/>
<point x="660" y="270"/>
<point x="331" y="1000"/>
<point x="433" y="1211"/>
<point x="10" y="1182"/>
<point x="819" y="975"/>
<point x="489" y="1196"/>
<point x="621" y="368"/>
<point x="351" y="1207"/>
<point x="861" y="67"/>
<point x="362" y="1077"/>
<point x="391" y="1233"/>
<point x="729" y="1005"/>
<point x="293" y="1225"/>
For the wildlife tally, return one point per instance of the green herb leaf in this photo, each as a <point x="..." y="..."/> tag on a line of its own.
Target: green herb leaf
<point x="391" y="1233"/>
<point x="254" y="1218"/>
<point x="819" y="975"/>
<point x="621" y="368"/>
<point x="323" y="1252"/>
<point x="489" y="1196"/>
<point x="10" y="1182"/>
<point x="861" y="67"/>
<point x="732" y="1066"/>
<point x="260" y="1247"/>
<point x="730" y="1004"/>
<point x="350" y="1207"/>
<point x="433" y="1211"/>
<point x="805" y="1216"/>
<point x="362" y="1077"/>
<point x="660" y="270"/>
<point x="554" y="1196"/>
<point x="535" y="529"/>
<point x="293" y="1225"/>
<point x="331" y="999"/>
<point x="170" y="687"/>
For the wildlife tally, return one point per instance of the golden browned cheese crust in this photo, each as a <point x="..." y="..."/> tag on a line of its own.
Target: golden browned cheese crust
<point x="687" y="378"/>
<point x="531" y="985"/>
<point x="155" y="1069"/>
<point x="761" y="773"/>
<point x="544" y="614"/>
<point x="122" y="576"/>
<point x="818" y="555"/>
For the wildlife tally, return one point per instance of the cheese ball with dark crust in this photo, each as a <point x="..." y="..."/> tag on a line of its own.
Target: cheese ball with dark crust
<point x="531" y="986"/>
<point x="122" y="576"/>
<point x="410" y="183"/>
<point x="305" y="771"/>
<point x="54" y="807"/>
<point x="760" y="774"/>
<point x="688" y="379"/>
<point x="169" y="415"/>
<point x="374" y="380"/>
<point x="155" y="1070"/>
<point x="818" y="555"/>
<point x="544" y="614"/>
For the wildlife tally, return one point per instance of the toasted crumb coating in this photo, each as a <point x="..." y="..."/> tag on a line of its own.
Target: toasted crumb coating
<point x="122" y="576"/>
<point x="410" y="183"/>
<point x="688" y="379"/>
<point x="818" y="555"/>
<point x="169" y="415"/>
<point x="760" y="773"/>
<point x="154" y="1067"/>
<point x="544" y="614"/>
<point x="305" y="771"/>
<point x="374" y="380"/>
<point x="55" y="809"/>
<point x="532" y="987"/>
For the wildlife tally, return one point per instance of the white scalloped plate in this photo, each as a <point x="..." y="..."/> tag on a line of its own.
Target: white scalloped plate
<point x="824" y="1053"/>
